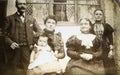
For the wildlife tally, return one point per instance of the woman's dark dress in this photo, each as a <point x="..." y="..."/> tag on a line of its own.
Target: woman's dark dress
<point x="107" y="40"/>
<point x="79" y="66"/>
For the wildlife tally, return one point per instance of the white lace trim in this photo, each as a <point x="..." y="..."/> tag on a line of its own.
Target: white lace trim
<point x="86" y="39"/>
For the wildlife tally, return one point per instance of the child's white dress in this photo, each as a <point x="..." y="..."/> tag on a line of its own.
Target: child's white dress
<point x="45" y="61"/>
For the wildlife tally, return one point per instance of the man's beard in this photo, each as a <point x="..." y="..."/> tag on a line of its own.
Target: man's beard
<point x="21" y="10"/>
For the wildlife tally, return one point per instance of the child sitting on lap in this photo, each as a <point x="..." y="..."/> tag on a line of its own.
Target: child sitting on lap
<point x="43" y="59"/>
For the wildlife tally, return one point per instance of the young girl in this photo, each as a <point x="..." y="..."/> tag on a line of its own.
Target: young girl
<point x="43" y="59"/>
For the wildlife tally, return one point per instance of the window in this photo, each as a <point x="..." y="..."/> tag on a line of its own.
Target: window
<point x="67" y="11"/>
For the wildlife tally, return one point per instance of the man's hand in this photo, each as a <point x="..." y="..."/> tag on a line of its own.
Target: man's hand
<point x="14" y="45"/>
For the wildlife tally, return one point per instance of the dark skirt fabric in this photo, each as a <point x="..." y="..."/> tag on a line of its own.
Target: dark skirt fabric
<point x="109" y="63"/>
<point x="82" y="67"/>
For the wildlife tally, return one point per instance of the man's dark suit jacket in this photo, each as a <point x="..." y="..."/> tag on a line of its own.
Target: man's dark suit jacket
<point x="12" y="24"/>
<point x="11" y="30"/>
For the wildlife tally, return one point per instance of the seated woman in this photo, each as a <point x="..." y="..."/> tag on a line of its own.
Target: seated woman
<point x="84" y="51"/>
<point x="43" y="59"/>
<point x="55" y="42"/>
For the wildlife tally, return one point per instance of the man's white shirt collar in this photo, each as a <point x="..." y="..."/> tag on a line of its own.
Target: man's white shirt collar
<point x="22" y="17"/>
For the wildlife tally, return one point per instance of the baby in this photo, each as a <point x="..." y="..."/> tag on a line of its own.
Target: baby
<point x="42" y="55"/>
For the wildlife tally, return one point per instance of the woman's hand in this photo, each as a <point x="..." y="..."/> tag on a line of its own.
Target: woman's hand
<point x="111" y="47"/>
<point x="30" y="66"/>
<point x="86" y="56"/>
<point x="111" y="54"/>
<point x="56" y="54"/>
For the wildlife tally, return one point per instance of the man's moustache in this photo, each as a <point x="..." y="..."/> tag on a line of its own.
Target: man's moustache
<point x="23" y="8"/>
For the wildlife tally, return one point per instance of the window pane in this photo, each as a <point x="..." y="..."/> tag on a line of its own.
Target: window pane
<point x="63" y="9"/>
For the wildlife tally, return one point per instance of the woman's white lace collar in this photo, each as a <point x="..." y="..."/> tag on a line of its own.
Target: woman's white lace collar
<point x="86" y="39"/>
